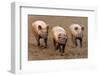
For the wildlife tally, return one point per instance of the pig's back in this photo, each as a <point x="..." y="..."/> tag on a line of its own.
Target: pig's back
<point x="57" y="30"/>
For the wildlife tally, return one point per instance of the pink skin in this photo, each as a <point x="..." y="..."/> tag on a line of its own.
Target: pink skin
<point x="40" y="31"/>
<point x="77" y="34"/>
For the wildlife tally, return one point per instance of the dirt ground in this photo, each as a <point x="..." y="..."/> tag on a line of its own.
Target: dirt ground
<point x="71" y="52"/>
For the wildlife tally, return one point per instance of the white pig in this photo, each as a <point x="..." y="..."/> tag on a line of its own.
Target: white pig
<point x="59" y="38"/>
<point x="40" y="30"/>
<point x="76" y="33"/>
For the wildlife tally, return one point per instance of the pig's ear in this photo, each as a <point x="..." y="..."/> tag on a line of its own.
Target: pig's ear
<point x="82" y="28"/>
<point x="39" y="27"/>
<point x="76" y="28"/>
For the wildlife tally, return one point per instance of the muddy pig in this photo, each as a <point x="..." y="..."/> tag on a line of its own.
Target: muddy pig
<point x="40" y="31"/>
<point x="59" y="38"/>
<point x="77" y="34"/>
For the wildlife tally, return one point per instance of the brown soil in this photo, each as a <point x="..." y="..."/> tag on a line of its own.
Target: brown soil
<point x="71" y="52"/>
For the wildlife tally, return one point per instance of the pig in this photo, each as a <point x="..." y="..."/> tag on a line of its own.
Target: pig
<point x="40" y="31"/>
<point x="77" y="34"/>
<point x="59" y="38"/>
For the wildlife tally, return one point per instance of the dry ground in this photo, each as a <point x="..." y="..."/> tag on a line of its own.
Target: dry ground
<point x="40" y="53"/>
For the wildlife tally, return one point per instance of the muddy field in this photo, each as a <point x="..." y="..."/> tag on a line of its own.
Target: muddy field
<point x="71" y="52"/>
